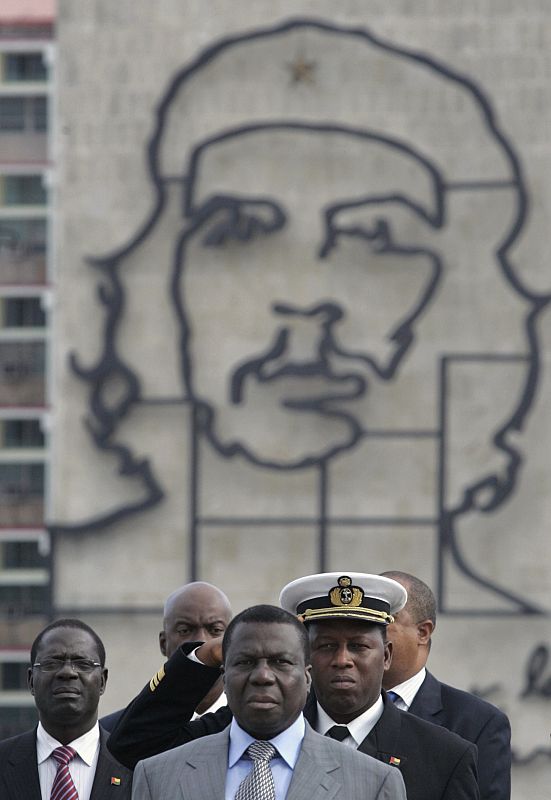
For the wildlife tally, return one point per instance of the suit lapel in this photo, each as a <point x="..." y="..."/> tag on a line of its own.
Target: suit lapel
<point x="207" y="778"/>
<point x="316" y="774"/>
<point x="107" y="768"/>
<point x="427" y="703"/>
<point x="21" y="769"/>
<point x="383" y="742"/>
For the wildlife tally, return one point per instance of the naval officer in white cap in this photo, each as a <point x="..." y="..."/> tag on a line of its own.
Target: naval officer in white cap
<point x="346" y="614"/>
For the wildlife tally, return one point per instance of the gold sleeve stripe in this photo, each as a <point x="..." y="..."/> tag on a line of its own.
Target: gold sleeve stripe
<point x="156" y="679"/>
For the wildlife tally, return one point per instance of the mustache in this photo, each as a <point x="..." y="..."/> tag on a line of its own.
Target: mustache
<point x="277" y="362"/>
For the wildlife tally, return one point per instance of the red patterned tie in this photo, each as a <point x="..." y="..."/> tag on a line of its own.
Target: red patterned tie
<point x="63" y="787"/>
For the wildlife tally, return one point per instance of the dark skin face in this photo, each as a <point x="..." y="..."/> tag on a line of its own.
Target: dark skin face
<point x="410" y="646"/>
<point x="266" y="677"/>
<point x="349" y="659"/>
<point x="196" y="613"/>
<point x="67" y="701"/>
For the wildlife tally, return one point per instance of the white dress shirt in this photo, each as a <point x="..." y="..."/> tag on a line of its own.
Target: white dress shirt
<point x="217" y="703"/>
<point x="408" y="689"/>
<point x="287" y="744"/>
<point x="359" y="728"/>
<point x="82" y="767"/>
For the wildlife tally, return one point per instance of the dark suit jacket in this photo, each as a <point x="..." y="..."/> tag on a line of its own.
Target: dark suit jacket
<point x="477" y="721"/>
<point x="109" y="721"/>
<point x="434" y="767"/>
<point x="435" y="764"/>
<point x="19" y="771"/>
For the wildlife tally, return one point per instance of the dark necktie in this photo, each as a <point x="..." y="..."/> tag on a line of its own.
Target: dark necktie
<point x="63" y="787"/>
<point x="338" y="732"/>
<point x="393" y="697"/>
<point x="259" y="783"/>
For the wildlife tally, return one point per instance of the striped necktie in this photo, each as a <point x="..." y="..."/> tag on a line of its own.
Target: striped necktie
<point x="393" y="697"/>
<point x="63" y="787"/>
<point x="259" y="783"/>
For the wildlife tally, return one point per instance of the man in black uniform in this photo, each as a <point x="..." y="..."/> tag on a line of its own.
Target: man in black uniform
<point x="196" y="610"/>
<point x="346" y="615"/>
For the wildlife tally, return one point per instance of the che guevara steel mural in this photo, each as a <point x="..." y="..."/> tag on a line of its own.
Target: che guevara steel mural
<point x="339" y="277"/>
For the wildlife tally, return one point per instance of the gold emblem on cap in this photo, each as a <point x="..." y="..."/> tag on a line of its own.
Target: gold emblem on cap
<point x="345" y="594"/>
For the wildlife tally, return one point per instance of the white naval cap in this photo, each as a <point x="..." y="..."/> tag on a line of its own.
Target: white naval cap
<point x="349" y="595"/>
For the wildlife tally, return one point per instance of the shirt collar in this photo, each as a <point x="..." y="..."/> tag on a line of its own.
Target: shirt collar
<point x="287" y="743"/>
<point x="85" y="746"/>
<point x="408" y="689"/>
<point x="359" y="727"/>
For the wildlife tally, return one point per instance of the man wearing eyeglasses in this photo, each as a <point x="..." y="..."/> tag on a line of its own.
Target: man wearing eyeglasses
<point x="65" y="757"/>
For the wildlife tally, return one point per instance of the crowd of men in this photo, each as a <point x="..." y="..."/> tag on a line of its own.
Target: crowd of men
<point x="325" y="695"/>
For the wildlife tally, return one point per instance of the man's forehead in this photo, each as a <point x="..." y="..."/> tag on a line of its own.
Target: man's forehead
<point x="193" y="601"/>
<point x="66" y="639"/>
<point x="262" y="634"/>
<point x="205" y="615"/>
<point x="335" y="166"/>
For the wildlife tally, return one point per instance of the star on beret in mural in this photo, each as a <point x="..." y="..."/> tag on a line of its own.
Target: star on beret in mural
<point x="302" y="71"/>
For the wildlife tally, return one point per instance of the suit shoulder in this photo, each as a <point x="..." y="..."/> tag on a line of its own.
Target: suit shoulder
<point x="15" y="742"/>
<point x="197" y="747"/>
<point x="452" y="696"/>
<point x="439" y="738"/>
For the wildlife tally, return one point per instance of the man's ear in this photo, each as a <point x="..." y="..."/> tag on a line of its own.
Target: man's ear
<point x="387" y="655"/>
<point x="424" y="631"/>
<point x="162" y="642"/>
<point x="30" y="680"/>
<point x="308" y="676"/>
<point x="104" y="676"/>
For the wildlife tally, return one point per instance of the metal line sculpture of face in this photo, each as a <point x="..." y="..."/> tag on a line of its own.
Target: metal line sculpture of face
<point x="317" y="234"/>
<point x="310" y="257"/>
<point x="332" y="214"/>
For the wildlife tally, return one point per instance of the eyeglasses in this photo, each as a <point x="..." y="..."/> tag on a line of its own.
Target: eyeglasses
<point x="77" y="664"/>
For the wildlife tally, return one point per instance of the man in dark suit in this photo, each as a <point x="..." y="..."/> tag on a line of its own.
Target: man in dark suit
<point x="66" y="755"/>
<point x="346" y="617"/>
<point x="422" y="694"/>
<point x="196" y="611"/>
<point x="268" y="750"/>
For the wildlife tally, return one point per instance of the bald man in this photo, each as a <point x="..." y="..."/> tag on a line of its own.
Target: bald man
<point x="195" y="612"/>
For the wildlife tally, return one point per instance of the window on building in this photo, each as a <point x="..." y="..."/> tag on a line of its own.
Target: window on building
<point x="22" y="367"/>
<point x="23" y="114"/>
<point x="12" y="113"/>
<point x="19" y="237"/>
<point x="21" y="312"/>
<point x="22" y="190"/>
<point x="25" y="67"/>
<point x="21" y="495"/>
<point x="21" y="480"/>
<point x="17" y="709"/>
<point x="21" y="433"/>
<point x="13" y="675"/>
<point x="21" y="555"/>
<point x="39" y="114"/>
<point x="18" y="601"/>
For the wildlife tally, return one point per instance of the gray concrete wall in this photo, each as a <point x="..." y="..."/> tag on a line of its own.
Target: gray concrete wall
<point x="440" y="466"/>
